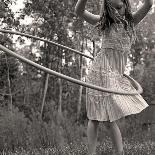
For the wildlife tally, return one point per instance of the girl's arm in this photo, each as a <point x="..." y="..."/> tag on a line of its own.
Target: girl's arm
<point x="87" y="16"/>
<point x="141" y="13"/>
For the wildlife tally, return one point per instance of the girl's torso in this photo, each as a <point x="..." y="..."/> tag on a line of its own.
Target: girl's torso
<point x="116" y="37"/>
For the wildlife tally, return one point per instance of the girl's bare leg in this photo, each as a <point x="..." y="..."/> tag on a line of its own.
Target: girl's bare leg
<point x="116" y="137"/>
<point x="92" y="136"/>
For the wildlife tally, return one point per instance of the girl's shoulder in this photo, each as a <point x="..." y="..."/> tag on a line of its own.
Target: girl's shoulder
<point x="113" y="31"/>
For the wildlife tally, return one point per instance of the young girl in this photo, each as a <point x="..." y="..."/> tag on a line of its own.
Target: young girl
<point x="116" y="24"/>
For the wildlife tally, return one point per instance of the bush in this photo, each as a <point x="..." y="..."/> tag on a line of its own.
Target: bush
<point x="13" y="129"/>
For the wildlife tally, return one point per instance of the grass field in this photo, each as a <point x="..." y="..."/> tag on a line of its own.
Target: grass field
<point x="131" y="148"/>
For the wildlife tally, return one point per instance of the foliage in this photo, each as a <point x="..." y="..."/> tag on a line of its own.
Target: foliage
<point x="13" y="127"/>
<point x="20" y="135"/>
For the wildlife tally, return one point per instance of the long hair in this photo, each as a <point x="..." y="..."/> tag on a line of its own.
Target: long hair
<point x="109" y="16"/>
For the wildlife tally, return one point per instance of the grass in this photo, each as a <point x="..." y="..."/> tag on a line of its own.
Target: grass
<point x="131" y="148"/>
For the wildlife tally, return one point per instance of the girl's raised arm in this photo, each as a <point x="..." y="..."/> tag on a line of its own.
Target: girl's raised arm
<point x="86" y="15"/>
<point x="141" y="13"/>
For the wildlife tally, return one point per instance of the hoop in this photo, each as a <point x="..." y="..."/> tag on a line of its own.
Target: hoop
<point x="47" y="41"/>
<point x="138" y="91"/>
<point x="3" y="48"/>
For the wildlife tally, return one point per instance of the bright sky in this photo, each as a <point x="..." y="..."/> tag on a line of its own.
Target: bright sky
<point x="16" y="8"/>
<point x="19" y="5"/>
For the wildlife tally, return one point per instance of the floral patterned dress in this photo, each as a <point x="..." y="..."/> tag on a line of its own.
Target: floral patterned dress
<point x="107" y="71"/>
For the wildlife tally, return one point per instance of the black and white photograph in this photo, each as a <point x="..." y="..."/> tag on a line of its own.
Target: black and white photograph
<point x="77" y="77"/>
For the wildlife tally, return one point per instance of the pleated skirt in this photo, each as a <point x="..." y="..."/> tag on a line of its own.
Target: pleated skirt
<point x="106" y="70"/>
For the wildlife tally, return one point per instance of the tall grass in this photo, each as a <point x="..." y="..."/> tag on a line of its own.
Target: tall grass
<point x="21" y="136"/>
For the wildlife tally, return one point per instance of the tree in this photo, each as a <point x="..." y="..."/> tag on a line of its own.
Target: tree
<point x="9" y="66"/>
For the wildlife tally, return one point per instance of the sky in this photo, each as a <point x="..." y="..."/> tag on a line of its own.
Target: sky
<point x="19" y="5"/>
<point x="16" y="8"/>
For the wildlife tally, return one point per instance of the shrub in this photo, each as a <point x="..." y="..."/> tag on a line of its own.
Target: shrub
<point x="13" y="129"/>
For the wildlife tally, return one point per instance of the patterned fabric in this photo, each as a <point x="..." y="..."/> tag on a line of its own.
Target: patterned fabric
<point x="106" y="71"/>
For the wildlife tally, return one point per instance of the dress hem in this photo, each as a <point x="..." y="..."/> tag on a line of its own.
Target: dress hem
<point x="95" y="119"/>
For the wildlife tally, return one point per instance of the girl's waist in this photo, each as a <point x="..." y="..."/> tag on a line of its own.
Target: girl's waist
<point x="123" y="44"/>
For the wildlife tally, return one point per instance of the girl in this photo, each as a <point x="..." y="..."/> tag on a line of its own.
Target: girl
<point x="116" y="24"/>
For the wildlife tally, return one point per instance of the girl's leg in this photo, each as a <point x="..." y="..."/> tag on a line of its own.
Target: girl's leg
<point x="116" y="137"/>
<point x="92" y="136"/>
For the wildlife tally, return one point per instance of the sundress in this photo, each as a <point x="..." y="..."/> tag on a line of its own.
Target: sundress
<point x="106" y="70"/>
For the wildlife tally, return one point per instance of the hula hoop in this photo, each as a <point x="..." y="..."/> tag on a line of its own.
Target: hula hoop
<point x="47" y="41"/>
<point x="138" y="91"/>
